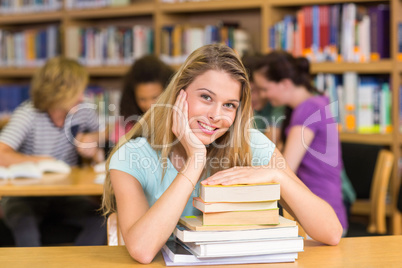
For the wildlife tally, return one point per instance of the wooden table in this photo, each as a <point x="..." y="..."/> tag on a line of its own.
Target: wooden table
<point x="78" y="182"/>
<point x="378" y="251"/>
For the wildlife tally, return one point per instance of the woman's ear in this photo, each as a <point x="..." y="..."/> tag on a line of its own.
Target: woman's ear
<point x="286" y="84"/>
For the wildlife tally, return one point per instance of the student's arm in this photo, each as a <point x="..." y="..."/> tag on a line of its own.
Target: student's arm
<point x="91" y="135"/>
<point x="315" y="215"/>
<point x="145" y="230"/>
<point x="14" y="134"/>
<point x="87" y="145"/>
<point x="273" y="134"/>
<point x="297" y="142"/>
<point x="8" y="156"/>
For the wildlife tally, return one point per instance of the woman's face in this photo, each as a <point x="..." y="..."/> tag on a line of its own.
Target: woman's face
<point x="146" y="94"/>
<point x="272" y="91"/>
<point x="213" y="99"/>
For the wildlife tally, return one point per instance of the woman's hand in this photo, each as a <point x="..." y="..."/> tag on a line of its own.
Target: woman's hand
<point x="244" y="175"/>
<point x="87" y="144"/>
<point x="182" y="130"/>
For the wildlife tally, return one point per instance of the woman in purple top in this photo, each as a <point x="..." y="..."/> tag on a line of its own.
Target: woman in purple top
<point x="309" y="134"/>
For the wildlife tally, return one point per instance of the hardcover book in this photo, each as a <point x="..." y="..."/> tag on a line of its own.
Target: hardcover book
<point x="240" y="192"/>
<point x="208" y="207"/>
<point x="267" y="216"/>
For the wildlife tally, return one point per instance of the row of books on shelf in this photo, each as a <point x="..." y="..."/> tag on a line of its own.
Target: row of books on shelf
<point x="111" y="45"/>
<point x="178" y="41"/>
<point x="106" y="101"/>
<point x="242" y="231"/>
<point x="30" y="47"/>
<point x="80" y="4"/>
<point x="11" y="96"/>
<point x="29" y="6"/>
<point x="361" y="104"/>
<point x="337" y="32"/>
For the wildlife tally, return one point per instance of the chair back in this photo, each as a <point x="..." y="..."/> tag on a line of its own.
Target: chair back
<point x="378" y="192"/>
<point x="114" y="236"/>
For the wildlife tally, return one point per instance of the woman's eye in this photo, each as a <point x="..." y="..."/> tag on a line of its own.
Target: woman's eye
<point x="230" y="105"/>
<point x="205" y="97"/>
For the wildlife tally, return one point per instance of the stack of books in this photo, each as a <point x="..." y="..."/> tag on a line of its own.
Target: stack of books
<point x="240" y="224"/>
<point x="239" y="204"/>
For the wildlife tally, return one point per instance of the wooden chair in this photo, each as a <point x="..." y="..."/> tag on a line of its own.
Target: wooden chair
<point x="114" y="237"/>
<point x="376" y="207"/>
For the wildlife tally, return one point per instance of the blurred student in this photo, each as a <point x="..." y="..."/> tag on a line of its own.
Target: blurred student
<point x="309" y="132"/>
<point x="143" y="83"/>
<point x="52" y="125"/>
<point x="268" y="119"/>
<point x="204" y="115"/>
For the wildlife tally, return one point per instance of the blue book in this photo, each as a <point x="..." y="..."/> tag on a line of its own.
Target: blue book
<point x="316" y="29"/>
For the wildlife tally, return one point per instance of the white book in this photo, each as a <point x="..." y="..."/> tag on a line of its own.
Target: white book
<point x="34" y="170"/>
<point x="245" y="247"/>
<point x="186" y="235"/>
<point x="350" y="96"/>
<point x="365" y="109"/>
<point x="240" y="192"/>
<point x="175" y="254"/>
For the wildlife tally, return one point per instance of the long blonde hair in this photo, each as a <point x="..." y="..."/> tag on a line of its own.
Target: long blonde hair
<point x="236" y="140"/>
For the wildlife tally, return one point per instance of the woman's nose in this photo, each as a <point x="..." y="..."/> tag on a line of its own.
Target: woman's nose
<point x="214" y="113"/>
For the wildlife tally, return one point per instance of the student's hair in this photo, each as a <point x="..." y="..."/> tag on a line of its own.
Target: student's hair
<point x="58" y="84"/>
<point x="280" y="65"/>
<point x="251" y="62"/>
<point x="233" y="145"/>
<point x="148" y="69"/>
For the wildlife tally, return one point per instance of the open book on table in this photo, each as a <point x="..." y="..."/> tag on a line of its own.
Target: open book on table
<point x="34" y="170"/>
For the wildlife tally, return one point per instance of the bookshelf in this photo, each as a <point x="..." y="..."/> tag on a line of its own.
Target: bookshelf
<point x="255" y="16"/>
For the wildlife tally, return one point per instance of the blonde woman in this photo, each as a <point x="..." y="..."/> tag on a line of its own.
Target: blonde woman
<point x="50" y="126"/>
<point x="199" y="128"/>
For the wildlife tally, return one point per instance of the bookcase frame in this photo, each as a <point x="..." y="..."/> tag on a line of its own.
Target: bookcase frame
<point x="167" y="13"/>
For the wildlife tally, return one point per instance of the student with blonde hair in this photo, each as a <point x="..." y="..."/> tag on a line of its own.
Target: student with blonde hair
<point x="51" y="125"/>
<point x="198" y="129"/>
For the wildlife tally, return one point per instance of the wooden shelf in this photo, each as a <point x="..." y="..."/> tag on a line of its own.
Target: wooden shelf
<point x="14" y="72"/>
<point x="203" y="6"/>
<point x="316" y="2"/>
<point x="380" y="67"/>
<point x="28" y="18"/>
<point x="109" y="71"/>
<point x="375" y="139"/>
<point x="399" y="66"/>
<point x="110" y="12"/>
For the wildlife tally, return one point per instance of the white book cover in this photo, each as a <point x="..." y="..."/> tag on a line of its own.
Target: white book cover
<point x="245" y="247"/>
<point x="350" y="92"/>
<point x="175" y="254"/>
<point x="365" y="110"/>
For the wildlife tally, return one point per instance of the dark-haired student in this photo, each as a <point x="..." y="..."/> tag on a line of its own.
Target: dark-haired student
<point x="267" y="118"/>
<point x="309" y="132"/>
<point x="142" y="85"/>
